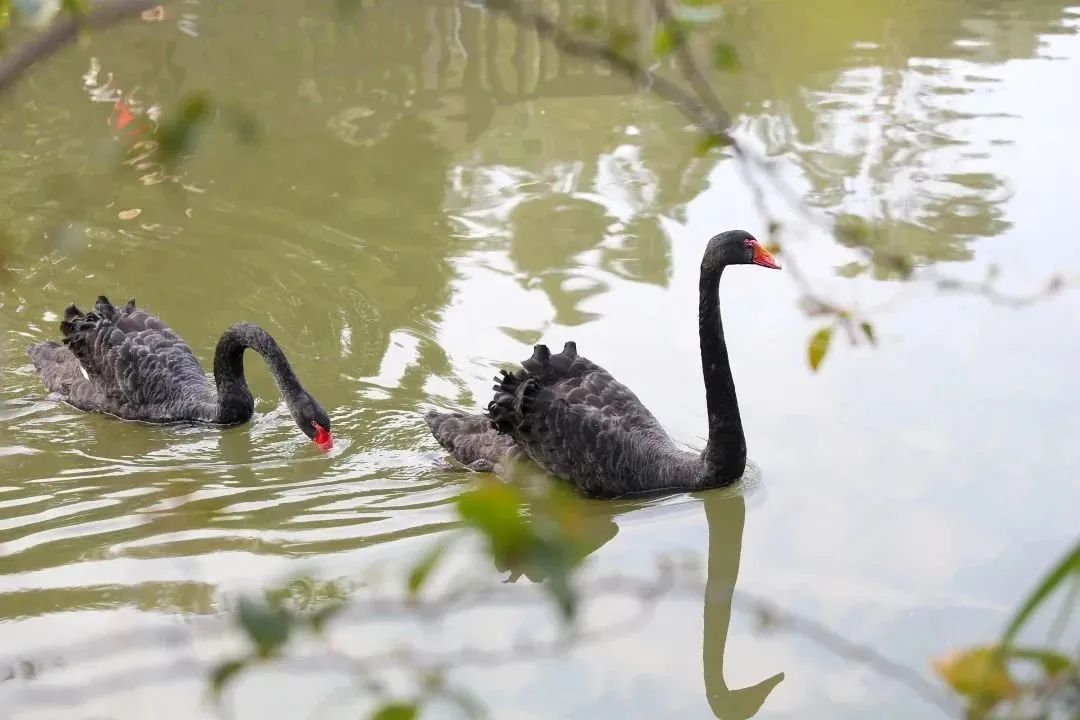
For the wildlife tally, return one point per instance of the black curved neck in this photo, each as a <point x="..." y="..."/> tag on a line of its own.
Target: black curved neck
<point x="235" y="402"/>
<point x="725" y="454"/>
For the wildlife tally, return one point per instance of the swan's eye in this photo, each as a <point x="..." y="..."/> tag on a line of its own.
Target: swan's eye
<point x="748" y="243"/>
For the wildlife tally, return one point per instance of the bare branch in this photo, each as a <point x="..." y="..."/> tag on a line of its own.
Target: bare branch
<point x="689" y="66"/>
<point x="63" y="30"/>
<point x="990" y="292"/>
<point x="703" y="108"/>
<point x="842" y="647"/>
<point x="648" y="592"/>
<point x="581" y="47"/>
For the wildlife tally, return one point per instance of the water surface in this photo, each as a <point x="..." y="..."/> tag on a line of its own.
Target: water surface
<point x="431" y="193"/>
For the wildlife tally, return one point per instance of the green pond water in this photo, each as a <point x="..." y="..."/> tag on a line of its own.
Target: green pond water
<point x="429" y="193"/>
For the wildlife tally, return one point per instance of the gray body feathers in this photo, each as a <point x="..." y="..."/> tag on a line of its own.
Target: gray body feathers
<point x="125" y="362"/>
<point x="576" y="421"/>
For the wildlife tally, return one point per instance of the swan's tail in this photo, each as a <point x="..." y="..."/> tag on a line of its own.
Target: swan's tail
<point x="515" y="394"/>
<point x="522" y="394"/>
<point x="469" y="438"/>
<point x="74" y="320"/>
<point x="110" y="312"/>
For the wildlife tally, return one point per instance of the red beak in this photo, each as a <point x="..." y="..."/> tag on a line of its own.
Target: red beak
<point x="323" y="438"/>
<point x="763" y="258"/>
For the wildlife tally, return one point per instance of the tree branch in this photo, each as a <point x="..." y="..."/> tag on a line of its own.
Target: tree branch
<point x="648" y="592"/>
<point x="688" y="66"/>
<point x="63" y="30"/>
<point x="702" y="107"/>
<point x="578" y="46"/>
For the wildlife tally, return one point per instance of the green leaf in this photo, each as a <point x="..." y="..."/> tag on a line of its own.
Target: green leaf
<point x="819" y="345"/>
<point x="77" y="8"/>
<point x="324" y="614"/>
<point x="396" y="711"/>
<point x="494" y="509"/>
<point x="977" y="673"/>
<point x="852" y="231"/>
<point x="178" y="130"/>
<point x="663" y="41"/>
<point x="587" y="23"/>
<point x="868" y="331"/>
<point x="420" y="572"/>
<point x="621" y="40"/>
<point x="540" y="533"/>
<point x="556" y="562"/>
<point x="709" y="141"/>
<point x="266" y="627"/>
<point x="725" y="57"/>
<point x="1057" y="575"/>
<point x="894" y="261"/>
<point x="851" y="269"/>
<point x="224" y="673"/>
<point x="1052" y="662"/>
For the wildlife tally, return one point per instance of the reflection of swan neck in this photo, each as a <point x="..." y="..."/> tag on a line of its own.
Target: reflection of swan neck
<point x="725" y="518"/>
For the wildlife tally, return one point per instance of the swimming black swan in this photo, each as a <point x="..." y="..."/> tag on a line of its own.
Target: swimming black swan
<point x="577" y="422"/>
<point x="126" y="362"/>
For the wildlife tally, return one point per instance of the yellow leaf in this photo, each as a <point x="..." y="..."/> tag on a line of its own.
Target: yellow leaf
<point x="977" y="672"/>
<point x="819" y="345"/>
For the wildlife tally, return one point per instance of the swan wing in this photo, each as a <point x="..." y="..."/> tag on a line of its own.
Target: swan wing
<point x="574" y="419"/>
<point x="471" y="439"/>
<point x="578" y="381"/>
<point x="132" y="364"/>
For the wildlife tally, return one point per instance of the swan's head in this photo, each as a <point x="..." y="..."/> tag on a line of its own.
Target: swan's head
<point x="736" y="247"/>
<point x="313" y="421"/>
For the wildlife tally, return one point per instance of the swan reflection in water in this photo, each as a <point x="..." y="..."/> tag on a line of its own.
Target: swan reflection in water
<point x="725" y="517"/>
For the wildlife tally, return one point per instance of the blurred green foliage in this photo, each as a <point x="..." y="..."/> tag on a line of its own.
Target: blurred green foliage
<point x="1004" y="680"/>
<point x="535" y="531"/>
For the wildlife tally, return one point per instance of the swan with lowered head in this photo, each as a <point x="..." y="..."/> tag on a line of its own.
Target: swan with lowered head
<point x="126" y="362"/>
<point x="576" y="421"/>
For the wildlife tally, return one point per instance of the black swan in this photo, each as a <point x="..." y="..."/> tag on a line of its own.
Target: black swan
<point x="126" y="362"/>
<point x="577" y="422"/>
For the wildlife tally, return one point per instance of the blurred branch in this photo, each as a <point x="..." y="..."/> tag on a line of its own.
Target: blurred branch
<point x="689" y="66"/>
<point x="669" y="582"/>
<point x="573" y="44"/>
<point x="1055" y="285"/>
<point x="816" y="632"/>
<point x="63" y="30"/>
<point x="701" y="106"/>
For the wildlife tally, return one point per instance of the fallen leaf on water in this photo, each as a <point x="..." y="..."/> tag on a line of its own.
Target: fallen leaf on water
<point x="129" y="214"/>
